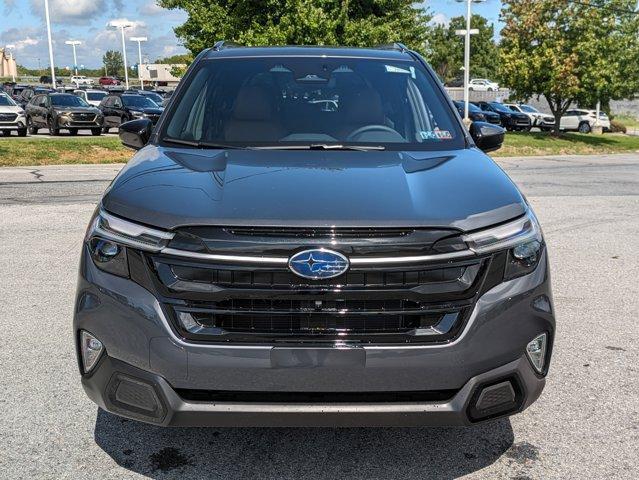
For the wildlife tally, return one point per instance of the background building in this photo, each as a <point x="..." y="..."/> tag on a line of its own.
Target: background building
<point x="7" y="64"/>
<point x="159" y="74"/>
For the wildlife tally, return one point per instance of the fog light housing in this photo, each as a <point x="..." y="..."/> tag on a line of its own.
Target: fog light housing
<point x="536" y="352"/>
<point x="90" y="349"/>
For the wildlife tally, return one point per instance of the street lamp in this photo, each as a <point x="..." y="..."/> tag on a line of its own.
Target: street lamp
<point x="122" y="24"/>
<point x="139" y="40"/>
<point x="10" y="48"/>
<point x="46" y="15"/>
<point x="468" y="32"/>
<point x="74" y="43"/>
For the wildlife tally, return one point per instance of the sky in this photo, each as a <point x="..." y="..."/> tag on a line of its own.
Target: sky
<point x="22" y="24"/>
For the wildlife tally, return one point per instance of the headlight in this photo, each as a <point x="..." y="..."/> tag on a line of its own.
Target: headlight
<point x="522" y="238"/>
<point x="108" y="238"/>
<point x="137" y="113"/>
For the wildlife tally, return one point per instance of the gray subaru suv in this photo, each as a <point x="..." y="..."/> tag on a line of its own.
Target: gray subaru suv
<point x="310" y="236"/>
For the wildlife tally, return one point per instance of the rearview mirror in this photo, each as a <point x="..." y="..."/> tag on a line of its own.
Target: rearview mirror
<point x="487" y="137"/>
<point x="136" y="133"/>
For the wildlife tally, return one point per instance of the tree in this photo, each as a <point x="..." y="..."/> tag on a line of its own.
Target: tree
<point x="182" y="59"/>
<point x="300" y="22"/>
<point x="445" y="49"/>
<point x="570" y="52"/>
<point x="113" y="63"/>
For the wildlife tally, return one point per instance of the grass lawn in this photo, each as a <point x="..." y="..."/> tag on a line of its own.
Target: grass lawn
<point x="43" y="151"/>
<point x="628" y="120"/>
<point x="17" y="152"/>
<point x="526" y="144"/>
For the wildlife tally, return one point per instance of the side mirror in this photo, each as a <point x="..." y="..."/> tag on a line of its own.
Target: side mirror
<point x="487" y="137"/>
<point x="136" y="133"/>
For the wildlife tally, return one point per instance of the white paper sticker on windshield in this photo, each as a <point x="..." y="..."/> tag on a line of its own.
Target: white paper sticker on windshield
<point x="394" y="69"/>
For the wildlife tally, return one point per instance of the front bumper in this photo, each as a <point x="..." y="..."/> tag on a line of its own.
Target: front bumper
<point x="69" y="122"/>
<point x="19" y="124"/>
<point x="142" y="348"/>
<point x="148" y="397"/>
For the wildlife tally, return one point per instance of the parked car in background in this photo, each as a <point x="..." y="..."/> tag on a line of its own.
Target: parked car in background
<point x="92" y="97"/>
<point x="118" y="109"/>
<point x="12" y="116"/>
<point x="474" y="113"/>
<point x="156" y="97"/>
<point x="57" y="111"/>
<point x="455" y="83"/>
<point x="543" y="121"/>
<point x="29" y="92"/>
<point x="583" y="120"/>
<point x="78" y="80"/>
<point x="109" y="81"/>
<point x="509" y="120"/>
<point x="483" y="85"/>
<point x="46" y="79"/>
<point x="16" y="90"/>
<point x="473" y="109"/>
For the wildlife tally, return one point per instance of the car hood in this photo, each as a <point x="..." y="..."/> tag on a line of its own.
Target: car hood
<point x="11" y="109"/>
<point x="148" y="110"/>
<point x="172" y="187"/>
<point x="77" y="109"/>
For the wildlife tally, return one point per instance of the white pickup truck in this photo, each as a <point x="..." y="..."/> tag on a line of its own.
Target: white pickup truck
<point x="78" y="80"/>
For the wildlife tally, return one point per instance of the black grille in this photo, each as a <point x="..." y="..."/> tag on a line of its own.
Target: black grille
<point x="389" y="303"/>
<point x="315" y="397"/>
<point x="83" y="117"/>
<point x="285" y="279"/>
<point x="8" y="117"/>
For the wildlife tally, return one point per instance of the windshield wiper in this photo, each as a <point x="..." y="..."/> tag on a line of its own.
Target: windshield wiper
<point x="323" y="146"/>
<point x="197" y="144"/>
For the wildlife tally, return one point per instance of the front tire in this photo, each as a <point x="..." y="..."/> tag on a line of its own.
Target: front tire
<point x="96" y="132"/>
<point x="584" y="127"/>
<point x="22" y="132"/>
<point x="53" y="130"/>
<point x="73" y="131"/>
<point x="33" y="130"/>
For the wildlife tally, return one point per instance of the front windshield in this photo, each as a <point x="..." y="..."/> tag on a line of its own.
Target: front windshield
<point x="471" y="107"/>
<point x="296" y="101"/>
<point x="67" y="101"/>
<point x="500" y="107"/>
<point x="6" y="101"/>
<point x="154" y="96"/>
<point x="138" y="101"/>
<point x="96" y="96"/>
<point x="528" y="108"/>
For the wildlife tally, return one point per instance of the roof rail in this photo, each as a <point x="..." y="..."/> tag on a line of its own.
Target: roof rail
<point x="400" y="47"/>
<point x="222" y="44"/>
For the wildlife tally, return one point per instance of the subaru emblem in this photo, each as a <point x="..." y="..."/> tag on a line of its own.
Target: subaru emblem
<point x="318" y="264"/>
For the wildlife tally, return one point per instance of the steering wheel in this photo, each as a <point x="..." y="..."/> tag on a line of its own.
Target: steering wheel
<point x="372" y="128"/>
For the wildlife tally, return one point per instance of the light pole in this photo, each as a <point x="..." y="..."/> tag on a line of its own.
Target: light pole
<point x="74" y="43"/>
<point x="139" y="40"/>
<point x="10" y="48"/>
<point x="122" y="24"/>
<point x="468" y="32"/>
<point x="46" y="15"/>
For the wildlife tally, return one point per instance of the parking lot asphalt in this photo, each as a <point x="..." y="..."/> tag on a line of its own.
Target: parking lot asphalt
<point x="585" y="425"/>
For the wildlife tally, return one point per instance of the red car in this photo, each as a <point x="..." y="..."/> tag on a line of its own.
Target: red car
<point x="109" y="81"/>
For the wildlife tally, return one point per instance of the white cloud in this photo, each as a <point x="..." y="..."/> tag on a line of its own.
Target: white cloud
<point x="151" y="8"/>
<point x="70" y="11"/>
<point x="440" y="19"/>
